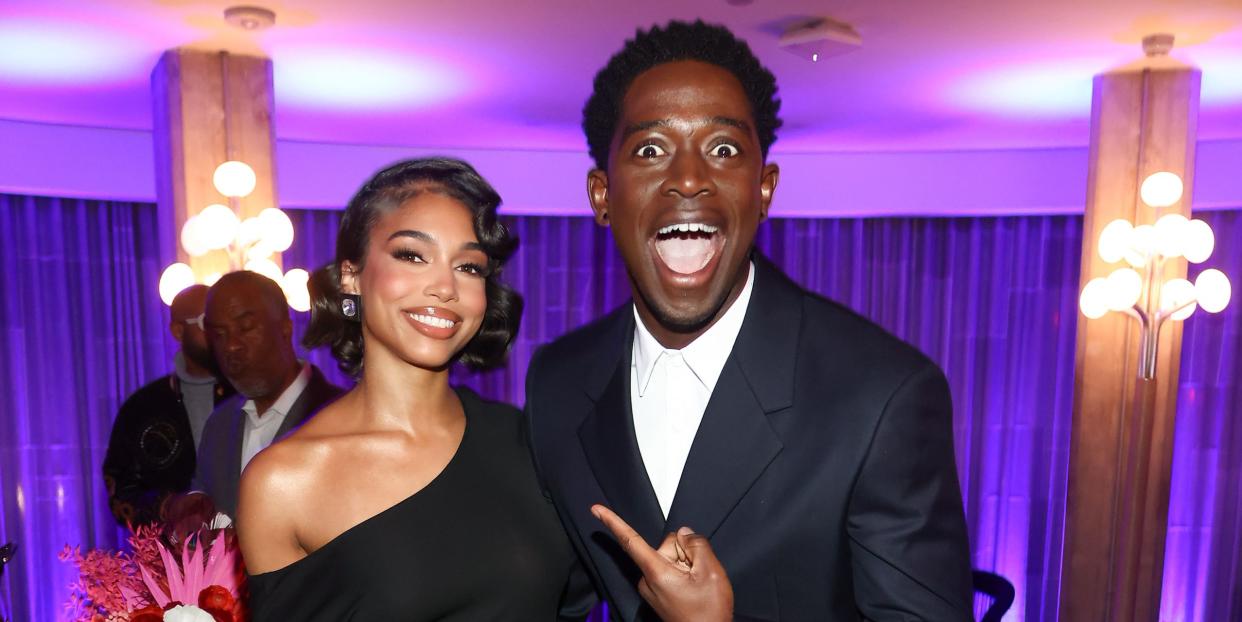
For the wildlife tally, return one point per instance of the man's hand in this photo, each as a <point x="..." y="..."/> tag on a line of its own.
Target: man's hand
<point x="682" y="580"/>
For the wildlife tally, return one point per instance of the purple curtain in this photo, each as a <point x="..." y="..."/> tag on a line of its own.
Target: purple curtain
<point x="80" y="328"/>
<point x="1203" y="552"/>
<point x="993" y="300"/>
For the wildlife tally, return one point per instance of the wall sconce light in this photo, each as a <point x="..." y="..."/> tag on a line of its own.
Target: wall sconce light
<point x="1144" y="295"/>
<point x="250" y="243"/>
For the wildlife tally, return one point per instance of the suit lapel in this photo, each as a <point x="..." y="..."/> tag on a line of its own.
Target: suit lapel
<point x="608" y="440"/>
<point x="304" y="405"/>
<point x="232" y="467"/>
<point x="732" y="448"/>
<point x="735" y="443"/>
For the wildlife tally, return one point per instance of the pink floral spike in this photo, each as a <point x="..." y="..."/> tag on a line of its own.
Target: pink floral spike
<point x="133" y="600"/>
<point x="176" y="587"/>
<point x="192" y="565"/>
<point x="161" y="598"/>
<point x="221" y="562"/>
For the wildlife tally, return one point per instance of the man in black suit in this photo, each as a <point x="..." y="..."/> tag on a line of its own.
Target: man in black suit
<point x="805" y="447"/>
<point x="251" y="336"/>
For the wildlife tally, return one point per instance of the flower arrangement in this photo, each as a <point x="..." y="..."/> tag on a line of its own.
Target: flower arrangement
<point x="152" y="582"/>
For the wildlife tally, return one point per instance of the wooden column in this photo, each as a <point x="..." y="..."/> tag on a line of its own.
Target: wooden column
<point x="1143" y="121"/>
<point x="210" y="107"/>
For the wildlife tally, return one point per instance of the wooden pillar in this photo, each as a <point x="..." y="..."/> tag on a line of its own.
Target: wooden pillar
<point x="1143" y="121"/>
<point x="210" y="107"/>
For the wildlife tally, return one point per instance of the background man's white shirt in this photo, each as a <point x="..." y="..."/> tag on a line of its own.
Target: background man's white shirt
<point x="259" y="431"/>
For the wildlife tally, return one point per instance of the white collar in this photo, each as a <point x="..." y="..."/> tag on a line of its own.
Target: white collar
<point x="281" y="406"/>
<point x="706" y="355"/>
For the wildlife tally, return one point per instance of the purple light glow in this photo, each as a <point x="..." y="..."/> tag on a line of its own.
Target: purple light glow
<point x="1061" y="88"/>
<point x="1041" y="89"/>
<point x="351" y="78"/>
<point x="1222" y="77"/>
<point x="57" y="52"/>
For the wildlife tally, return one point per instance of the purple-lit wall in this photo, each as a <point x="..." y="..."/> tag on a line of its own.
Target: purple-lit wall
<point x="68" y="161"/>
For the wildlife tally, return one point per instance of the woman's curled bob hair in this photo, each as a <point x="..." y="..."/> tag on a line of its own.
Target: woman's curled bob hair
<point x="385" y="191"/>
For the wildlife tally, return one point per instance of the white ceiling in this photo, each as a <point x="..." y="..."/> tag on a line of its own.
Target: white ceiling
<point x="951" y="74"/>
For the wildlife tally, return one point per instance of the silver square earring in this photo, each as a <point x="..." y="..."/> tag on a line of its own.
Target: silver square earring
<point x="350" y="306"/>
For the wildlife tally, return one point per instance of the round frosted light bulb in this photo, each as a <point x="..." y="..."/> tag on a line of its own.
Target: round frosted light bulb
<point x="219" y="226"/>
<point x="1213" y="290"/>
<point x="249" y="232"/>
<point x="258" y="251"/>
<point x="194" y="238"/>
<point x="1176" y="293"/>
<point x="1161" y="189"/>
<point x="1170" y="234"/>
<point x="266" y="267"/>
<point x="1124" y="288"/>
<point x="1142" y="245"/>
<point x="276" y="228"/>
<point x="1115" y="240"/>
<point x="1198" y="241"/>
<point x="234" y="179"/>
<point x="174" y="279"/>
<point x="1093" y="302"/>
<point x="296" y="292"/>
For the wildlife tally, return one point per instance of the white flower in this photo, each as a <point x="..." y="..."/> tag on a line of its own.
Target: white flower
<point x="220" y="521"/>
<point x="187" y="613"/>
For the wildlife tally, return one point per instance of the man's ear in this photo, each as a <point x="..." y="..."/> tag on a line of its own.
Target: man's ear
<point x="177" y="329"/>
<point x="767" y="187"/>
<point x="597" y="192"/>
<point x="349" y="278"/>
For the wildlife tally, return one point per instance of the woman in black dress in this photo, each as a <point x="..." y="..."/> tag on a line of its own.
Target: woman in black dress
<point x="408" y="499"/>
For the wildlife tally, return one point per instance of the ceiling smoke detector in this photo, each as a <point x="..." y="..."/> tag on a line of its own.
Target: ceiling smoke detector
<point x="250" y="18"/>
<point x="820" y="38"/>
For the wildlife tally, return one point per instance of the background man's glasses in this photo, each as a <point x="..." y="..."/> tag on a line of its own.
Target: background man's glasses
<point x="196" y="321"/>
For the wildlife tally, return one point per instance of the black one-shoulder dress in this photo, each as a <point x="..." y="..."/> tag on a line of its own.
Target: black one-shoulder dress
<point x="480" y="542"/>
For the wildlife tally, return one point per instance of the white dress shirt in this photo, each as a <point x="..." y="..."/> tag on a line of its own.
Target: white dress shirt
<point x="669" y="390"/>
<point x="259" y="431"/>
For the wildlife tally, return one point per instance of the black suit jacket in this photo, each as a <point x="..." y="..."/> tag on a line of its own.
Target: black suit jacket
<point x="219" y="453"/>
<point x="150" y="451"/>
<point x="823" y="470"/>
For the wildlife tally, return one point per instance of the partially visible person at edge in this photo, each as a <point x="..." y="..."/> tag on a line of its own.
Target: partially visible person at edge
<point x="409" y="499"/>
<point x="251" y="335"/>
<point x="151" y="451"/>
<point x="805" y="446"/>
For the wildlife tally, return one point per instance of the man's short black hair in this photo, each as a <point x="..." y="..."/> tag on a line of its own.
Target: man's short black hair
<point x="678" y="41"/>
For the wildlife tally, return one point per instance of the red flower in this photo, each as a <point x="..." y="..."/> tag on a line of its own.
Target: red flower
<point x="150" y="613"/>
<point x="215" y="598"/>
<point x="220" y="615"/>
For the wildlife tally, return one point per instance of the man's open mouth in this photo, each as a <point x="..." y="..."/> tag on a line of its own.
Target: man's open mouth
<point x="688" y="247"/>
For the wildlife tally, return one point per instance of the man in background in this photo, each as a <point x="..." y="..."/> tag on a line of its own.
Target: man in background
<point x="251" y="336"/>
<point x="151" y="453"/>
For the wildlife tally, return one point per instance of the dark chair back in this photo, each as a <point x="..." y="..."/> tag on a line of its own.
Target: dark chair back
<point x="6" y="553"/>
<point x="994" y="596"/>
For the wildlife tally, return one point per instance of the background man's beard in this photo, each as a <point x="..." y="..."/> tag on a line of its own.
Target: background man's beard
<point x="201" y="356"/>
<point x="253" y="389"/>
